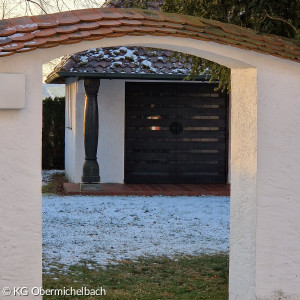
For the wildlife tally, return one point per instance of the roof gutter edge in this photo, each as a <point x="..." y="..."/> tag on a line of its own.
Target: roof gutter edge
<point x="60" y="77"/>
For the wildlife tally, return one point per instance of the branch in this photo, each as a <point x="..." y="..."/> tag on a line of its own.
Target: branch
<point x="281" y="20"/>
<point x="3" y="10"/>
<point x="36" y="3"/>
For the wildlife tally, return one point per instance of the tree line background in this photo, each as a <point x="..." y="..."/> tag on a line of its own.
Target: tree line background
<point x="280" y="17"/>
<point x="53" y="139"/>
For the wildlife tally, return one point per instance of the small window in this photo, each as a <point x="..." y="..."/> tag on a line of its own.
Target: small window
<point x="69" y="101"/>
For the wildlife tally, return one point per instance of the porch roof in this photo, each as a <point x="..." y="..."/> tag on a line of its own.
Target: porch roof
<point x="124" y="63"/>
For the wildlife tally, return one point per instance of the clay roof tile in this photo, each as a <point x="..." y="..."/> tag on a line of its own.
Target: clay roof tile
<point x="45" y="21"/>
<point x="146" y="29"/>
<point x="88" y="15"/>
<point x="23" y="24"/>
<point x="109" y="23"/>
<point x="101" y="31"/>
<point x="87" y="25"/>
<point x="130" y="22"/>
<point x="131" y="14"/>
<point x="6" y="53"/>
<point x="5" y="41"/>
<point x="109" y="13"/>
<point x="12" y="47"/>
<point x="49" y="45"/>
<point x="25" y="49"/>
<point x="79" y="35"/>
<point x="22" y="37"/>
<point x="71" y="41"/>
<point x="151" y="15"/>
<point x="36" y="43"/>
<point x="66" y="29"/>
<point x="122" y="29"/>
<point x="58" y="38"/>
<point x="6" y="29"/>
<point x="44" y="32"/>
<point x="66" y="18"/>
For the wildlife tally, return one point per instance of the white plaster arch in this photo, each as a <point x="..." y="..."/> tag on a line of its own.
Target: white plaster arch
<point x="264" y="166"/>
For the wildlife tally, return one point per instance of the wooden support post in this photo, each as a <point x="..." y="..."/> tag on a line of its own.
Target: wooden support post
<point x="90" y="172"/>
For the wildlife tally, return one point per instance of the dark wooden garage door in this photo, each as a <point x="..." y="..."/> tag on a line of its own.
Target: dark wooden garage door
<point x="175" y="133"/>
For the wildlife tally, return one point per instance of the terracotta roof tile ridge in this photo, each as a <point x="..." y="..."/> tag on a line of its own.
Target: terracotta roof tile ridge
<point x="25" y="34"/>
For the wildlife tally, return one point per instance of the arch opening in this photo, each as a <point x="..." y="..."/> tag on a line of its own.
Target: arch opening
<point x="122" y="129"/>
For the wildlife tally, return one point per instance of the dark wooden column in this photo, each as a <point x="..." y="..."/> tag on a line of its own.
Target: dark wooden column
<point x="90" y="172"/>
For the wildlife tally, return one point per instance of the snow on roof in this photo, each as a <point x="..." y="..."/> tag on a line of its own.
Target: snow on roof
<point x="125" y="60"/>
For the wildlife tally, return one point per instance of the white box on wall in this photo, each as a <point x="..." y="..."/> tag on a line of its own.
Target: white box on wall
<point x="12" y="91"/>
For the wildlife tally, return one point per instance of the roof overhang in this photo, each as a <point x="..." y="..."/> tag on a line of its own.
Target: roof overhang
<point x="60" y="77"/>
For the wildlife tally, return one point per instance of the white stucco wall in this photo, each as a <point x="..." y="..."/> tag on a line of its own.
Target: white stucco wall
<point x="12" y="98"/>
<point x="74" y="143"/>
<point x="243" y="188"/>
<point x="20" y="183"/>
<point x="265" y="193"/>
<point x="111" y="104"/>
<point x="70" y="128"/>
<point x="278" y="189"/>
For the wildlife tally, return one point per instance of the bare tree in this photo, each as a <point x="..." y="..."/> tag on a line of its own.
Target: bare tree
<point x="17" y="8"/>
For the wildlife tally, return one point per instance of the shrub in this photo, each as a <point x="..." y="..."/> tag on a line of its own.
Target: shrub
<point x="53" y="156"/>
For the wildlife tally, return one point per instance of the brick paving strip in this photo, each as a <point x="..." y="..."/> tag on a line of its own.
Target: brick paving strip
<point x="118" y="189"/>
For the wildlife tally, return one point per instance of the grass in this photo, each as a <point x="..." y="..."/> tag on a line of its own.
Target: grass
<point x="187" y="277"/>
<point x="156" y="278"/>
<point x="55" y="185"/>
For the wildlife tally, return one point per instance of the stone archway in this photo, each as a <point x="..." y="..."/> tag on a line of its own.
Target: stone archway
<point x="264" y="130"/>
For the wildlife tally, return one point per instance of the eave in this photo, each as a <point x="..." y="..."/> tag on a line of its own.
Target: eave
<point x="60" y="77"/>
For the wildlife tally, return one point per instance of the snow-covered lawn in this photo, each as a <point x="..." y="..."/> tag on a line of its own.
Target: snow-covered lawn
<point x="109" y="229"/>
<point x="47" y="175"/>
